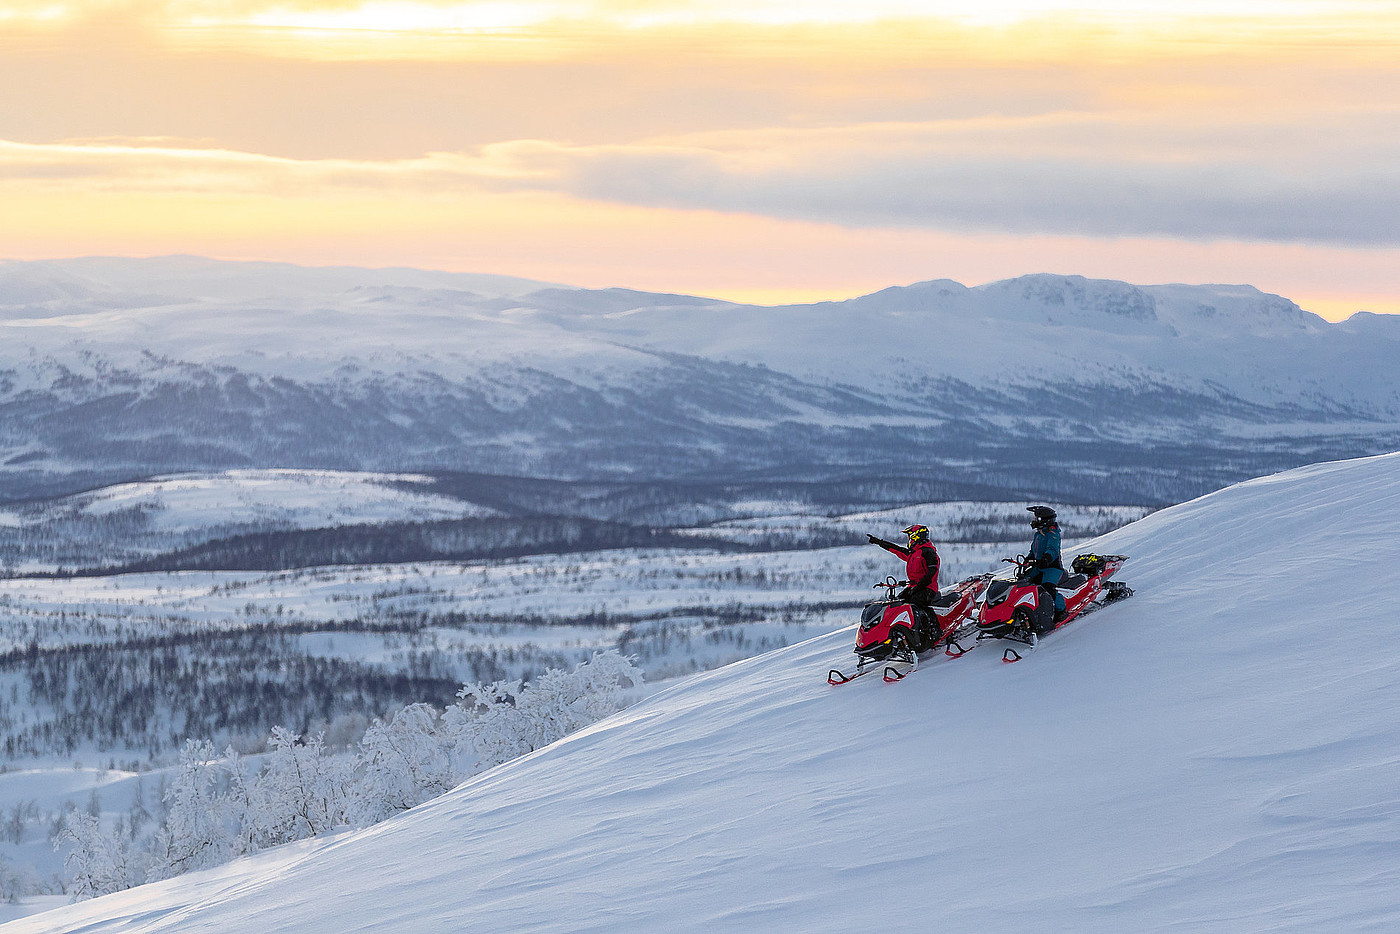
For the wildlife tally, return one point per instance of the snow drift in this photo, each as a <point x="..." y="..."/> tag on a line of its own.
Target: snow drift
<point x="1217" y="754"/>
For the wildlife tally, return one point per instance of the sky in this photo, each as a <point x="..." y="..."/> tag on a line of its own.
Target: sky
<point x="763" y="150"/>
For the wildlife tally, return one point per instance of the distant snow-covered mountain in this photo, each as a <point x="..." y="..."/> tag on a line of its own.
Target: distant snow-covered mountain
<point x="1044" y="385"/>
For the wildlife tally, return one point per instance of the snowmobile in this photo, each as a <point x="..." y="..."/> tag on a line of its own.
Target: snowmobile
<point x="894" y="631"/>
<point x="1020" y="610"/>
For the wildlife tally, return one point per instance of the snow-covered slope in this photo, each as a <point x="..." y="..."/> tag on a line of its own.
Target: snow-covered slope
<point x="1217" y="754"/>
<point x="1093" y="391"/>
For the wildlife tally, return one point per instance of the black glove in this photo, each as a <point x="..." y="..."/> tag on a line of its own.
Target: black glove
<point x="872" y="539"/>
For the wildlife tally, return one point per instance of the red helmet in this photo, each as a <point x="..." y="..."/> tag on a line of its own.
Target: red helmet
<point x="918" y="534"/>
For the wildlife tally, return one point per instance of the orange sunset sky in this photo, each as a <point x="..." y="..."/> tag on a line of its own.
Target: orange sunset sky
<point x="766" y="150"/>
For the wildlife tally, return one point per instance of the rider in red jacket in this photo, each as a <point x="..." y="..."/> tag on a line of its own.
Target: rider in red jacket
<point x="920" y="565"/>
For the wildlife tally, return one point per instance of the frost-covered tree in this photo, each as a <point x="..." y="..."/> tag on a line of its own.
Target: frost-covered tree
<point x="487" y="720"/>
<point x="17" y="881"/>
<point x="137" y="816"/>
<point x="17" y="820"/>
<point x="302" y="790"/>
<point x="97" y="863"/>
<point x="197" y="830"/>
<point x="506" y="719"/>
<point x="246" y="804"/>
<point x="215" y="808"/>
<point x="403" y="762"/>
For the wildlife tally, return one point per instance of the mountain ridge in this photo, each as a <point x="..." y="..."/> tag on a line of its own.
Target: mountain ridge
<point x="1120" y="392"/>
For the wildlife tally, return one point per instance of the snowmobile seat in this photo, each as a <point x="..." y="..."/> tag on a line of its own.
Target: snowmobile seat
<point x="1073" y="582"/>
<point x="946" y="599"/>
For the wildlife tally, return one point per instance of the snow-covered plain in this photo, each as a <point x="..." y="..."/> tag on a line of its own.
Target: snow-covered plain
<point x="1218" y="754"/>
<point x="625" y="583"/>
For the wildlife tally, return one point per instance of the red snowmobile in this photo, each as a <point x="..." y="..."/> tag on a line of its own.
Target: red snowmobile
<point x="1022" y="611"/>
<point x="895" y="631"/>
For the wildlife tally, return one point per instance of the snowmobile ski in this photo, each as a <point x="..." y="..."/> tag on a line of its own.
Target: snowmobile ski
<point x="836" y="676"/>
<point x="893" y="674"/>
<point x="954" y="649"/>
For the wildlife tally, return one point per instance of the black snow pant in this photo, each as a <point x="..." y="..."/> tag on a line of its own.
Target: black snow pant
<point x="1047" y="578"/>
<point x="922" y="602"/>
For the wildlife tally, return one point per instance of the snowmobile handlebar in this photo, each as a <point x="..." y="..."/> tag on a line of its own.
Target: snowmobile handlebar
<point x="890" y="585"/>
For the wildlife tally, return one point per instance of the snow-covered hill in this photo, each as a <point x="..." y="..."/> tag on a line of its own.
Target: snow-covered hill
<point x="128" y="521"/>
<point x="260" y="498"/>
<point x="1217" y="754"/>
<point x="1088" y="390"/>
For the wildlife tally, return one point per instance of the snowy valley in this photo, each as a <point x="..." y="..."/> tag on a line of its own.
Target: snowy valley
<point x="107" y="670"/>
<point x="1215" y="754"/>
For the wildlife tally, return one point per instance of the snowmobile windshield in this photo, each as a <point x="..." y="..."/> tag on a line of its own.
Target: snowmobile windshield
<point x="997" y="591"/>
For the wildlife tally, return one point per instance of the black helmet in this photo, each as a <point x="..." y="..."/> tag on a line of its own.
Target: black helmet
<point x="917" y="534"/>
<point x="1044" y="517"/>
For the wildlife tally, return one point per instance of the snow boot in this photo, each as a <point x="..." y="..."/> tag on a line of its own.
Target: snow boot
<point x="928" y="631"/>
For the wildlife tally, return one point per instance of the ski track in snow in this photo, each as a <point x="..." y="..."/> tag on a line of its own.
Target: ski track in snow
<point x="1217" y="754"/>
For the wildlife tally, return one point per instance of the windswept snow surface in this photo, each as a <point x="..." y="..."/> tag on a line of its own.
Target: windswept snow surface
<point x="1219" y="754"/>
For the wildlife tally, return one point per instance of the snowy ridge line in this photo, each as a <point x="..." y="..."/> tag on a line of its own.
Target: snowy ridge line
<point x="1152" y="393"/>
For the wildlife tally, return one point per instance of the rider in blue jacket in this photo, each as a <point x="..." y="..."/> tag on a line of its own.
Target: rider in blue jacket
<point x="1043" y="559"/>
